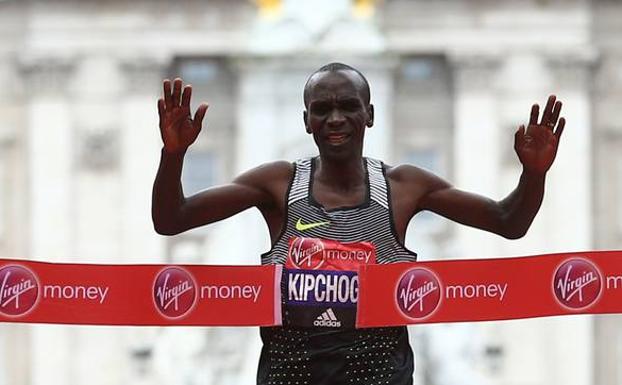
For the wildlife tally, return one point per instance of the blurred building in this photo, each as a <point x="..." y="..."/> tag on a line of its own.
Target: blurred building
<point x="451" y="81"/>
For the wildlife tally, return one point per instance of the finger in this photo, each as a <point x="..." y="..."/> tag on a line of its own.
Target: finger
<point x="548" y="111"/>
<point x="560" y="129"/>
<point x="535" y="111"/>
<point x="185" y="96"/>
<point x="176" y="91"/>
<point x="168" y="101"/>
<point x="556" y="110"/>
<point x="520" y="132"/>
<point x="519" y="136"/>
<point x="199" y="115"/>
<point x="161" y="108"/>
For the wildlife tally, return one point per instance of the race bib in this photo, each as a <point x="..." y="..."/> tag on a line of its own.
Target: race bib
<point x="320" y="283"/>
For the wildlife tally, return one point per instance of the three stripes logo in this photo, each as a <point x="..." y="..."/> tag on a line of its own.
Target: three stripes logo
<point x="327" y="319"/>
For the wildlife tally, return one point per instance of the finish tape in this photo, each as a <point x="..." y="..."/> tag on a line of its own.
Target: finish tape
<point x="42" y="292"/>
<point x="388" y="295"/>
<point x="490" y="289"/>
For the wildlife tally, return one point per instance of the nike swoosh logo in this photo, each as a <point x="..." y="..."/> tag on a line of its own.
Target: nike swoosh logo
<point x="307" y="226"/>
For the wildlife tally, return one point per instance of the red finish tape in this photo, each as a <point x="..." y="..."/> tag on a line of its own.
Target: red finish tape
<point x="490" y="289"/>
<point x="40" y="292"/>
<point x="389" y="295"/>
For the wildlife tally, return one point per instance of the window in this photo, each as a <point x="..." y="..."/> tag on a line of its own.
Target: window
<point x="201" y="170"/>
<point x="209" y="158"/>
<point x="423" y="121"/>
<point x="209" y="161"/>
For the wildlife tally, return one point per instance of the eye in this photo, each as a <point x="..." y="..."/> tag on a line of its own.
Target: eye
<point x="320" y="108"/>
<point x="350" y="105"/>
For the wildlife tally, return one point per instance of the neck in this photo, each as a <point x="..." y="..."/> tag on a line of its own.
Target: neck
<point x="344" y="173"/>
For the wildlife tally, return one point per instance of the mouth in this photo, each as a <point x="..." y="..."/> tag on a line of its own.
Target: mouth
<point x="337" y="138"/>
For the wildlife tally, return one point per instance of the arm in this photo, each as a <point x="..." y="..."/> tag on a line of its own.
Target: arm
<point x="172" y="213"/>
<point x="512" y="216"/>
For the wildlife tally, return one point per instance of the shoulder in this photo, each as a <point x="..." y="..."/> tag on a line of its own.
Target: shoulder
<point x="278" y="172"/>
<point x="411" y="182"/>
<point x="267" y="183"/>
<point x="277" y="168"/>
<point x="409" y="174"/>
<point x="412" y="187"/>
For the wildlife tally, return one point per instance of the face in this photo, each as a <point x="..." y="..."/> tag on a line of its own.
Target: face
<point x="337" y="113"/>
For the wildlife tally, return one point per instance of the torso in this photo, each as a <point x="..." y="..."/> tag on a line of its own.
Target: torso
<point x="404" y="200"/>
<point x="322" y="203"/>
<point x="323" y="355"/>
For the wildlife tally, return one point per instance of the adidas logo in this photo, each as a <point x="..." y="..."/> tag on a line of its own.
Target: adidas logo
<point x="327" y="319"/>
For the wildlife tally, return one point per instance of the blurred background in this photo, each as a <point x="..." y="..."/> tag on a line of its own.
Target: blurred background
<point x="451" y="80"/>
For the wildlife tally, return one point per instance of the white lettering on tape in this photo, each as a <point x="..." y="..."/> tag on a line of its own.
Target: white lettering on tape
<point x="322" y="288"/>
<point x="231" y="292"/>
<point x="488" y="290"/>
<point x="98" y="293"/>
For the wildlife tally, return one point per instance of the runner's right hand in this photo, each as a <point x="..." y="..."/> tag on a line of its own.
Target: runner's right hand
<point x="177" y="127"/>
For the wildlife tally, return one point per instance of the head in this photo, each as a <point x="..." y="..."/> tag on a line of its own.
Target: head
<point x="337" y="109"/>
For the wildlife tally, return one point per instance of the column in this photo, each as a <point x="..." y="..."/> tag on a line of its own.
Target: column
<point x="477" y="152"/>
<point x="15" y="352"/>
<point x="572" y="75"/>
<point x="140" y="145"/>
<point x="99" y="197"/>
<point x="140" y="152"/>
<point x="49" y="154"/>
<point x="569" y="206"/>
<point x="97" y="162"/>
<point x="607" y="189"/>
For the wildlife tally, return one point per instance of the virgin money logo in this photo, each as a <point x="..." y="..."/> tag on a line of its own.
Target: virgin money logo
<point x="418" y="293"/>
<point x="174" y="292"/>
<point x="577" y="283"/>
<point x="19" y="290"/>
<point x="306" y="253"/>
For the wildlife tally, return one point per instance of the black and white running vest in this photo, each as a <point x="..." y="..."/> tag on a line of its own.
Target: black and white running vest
<point x="294" y="355"/>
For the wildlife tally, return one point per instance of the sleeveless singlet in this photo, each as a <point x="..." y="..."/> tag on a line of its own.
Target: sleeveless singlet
<point x="320" y="356"/>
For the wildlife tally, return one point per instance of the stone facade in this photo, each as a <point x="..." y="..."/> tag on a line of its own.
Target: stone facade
<point x="451" y="81"/>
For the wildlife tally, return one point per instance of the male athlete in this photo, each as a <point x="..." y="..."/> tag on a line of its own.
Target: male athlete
<point x="344" y="202"/>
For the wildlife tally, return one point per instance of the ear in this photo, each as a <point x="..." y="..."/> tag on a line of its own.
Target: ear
<point x="370" y="116"/>
<point x="305" y="117"/>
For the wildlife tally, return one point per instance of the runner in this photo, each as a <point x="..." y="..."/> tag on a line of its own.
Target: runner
<point x="340" y="200"/>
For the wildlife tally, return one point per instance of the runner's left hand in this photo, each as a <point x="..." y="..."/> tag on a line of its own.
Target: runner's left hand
<point x="536" y="147"/>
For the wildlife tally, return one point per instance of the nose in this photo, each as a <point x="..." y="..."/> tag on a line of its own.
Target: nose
<point x="335" y="118"/>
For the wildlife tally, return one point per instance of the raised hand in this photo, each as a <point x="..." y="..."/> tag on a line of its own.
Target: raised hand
<point x="537" y="146"/>
<point x="177" y="127"/>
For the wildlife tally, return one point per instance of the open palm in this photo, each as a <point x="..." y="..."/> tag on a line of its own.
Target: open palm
<point x="537" y="146"/>
<point x="177" y="127"/>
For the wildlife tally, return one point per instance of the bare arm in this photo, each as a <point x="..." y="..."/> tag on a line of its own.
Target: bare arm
<point x="512" y="216"/>
<point x="172" y="212"/>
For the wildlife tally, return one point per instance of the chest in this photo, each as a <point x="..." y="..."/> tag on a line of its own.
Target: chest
<point x="330" y="197"/>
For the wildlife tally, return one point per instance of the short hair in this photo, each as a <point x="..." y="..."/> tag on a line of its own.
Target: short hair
<point x="335" y="67"/>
